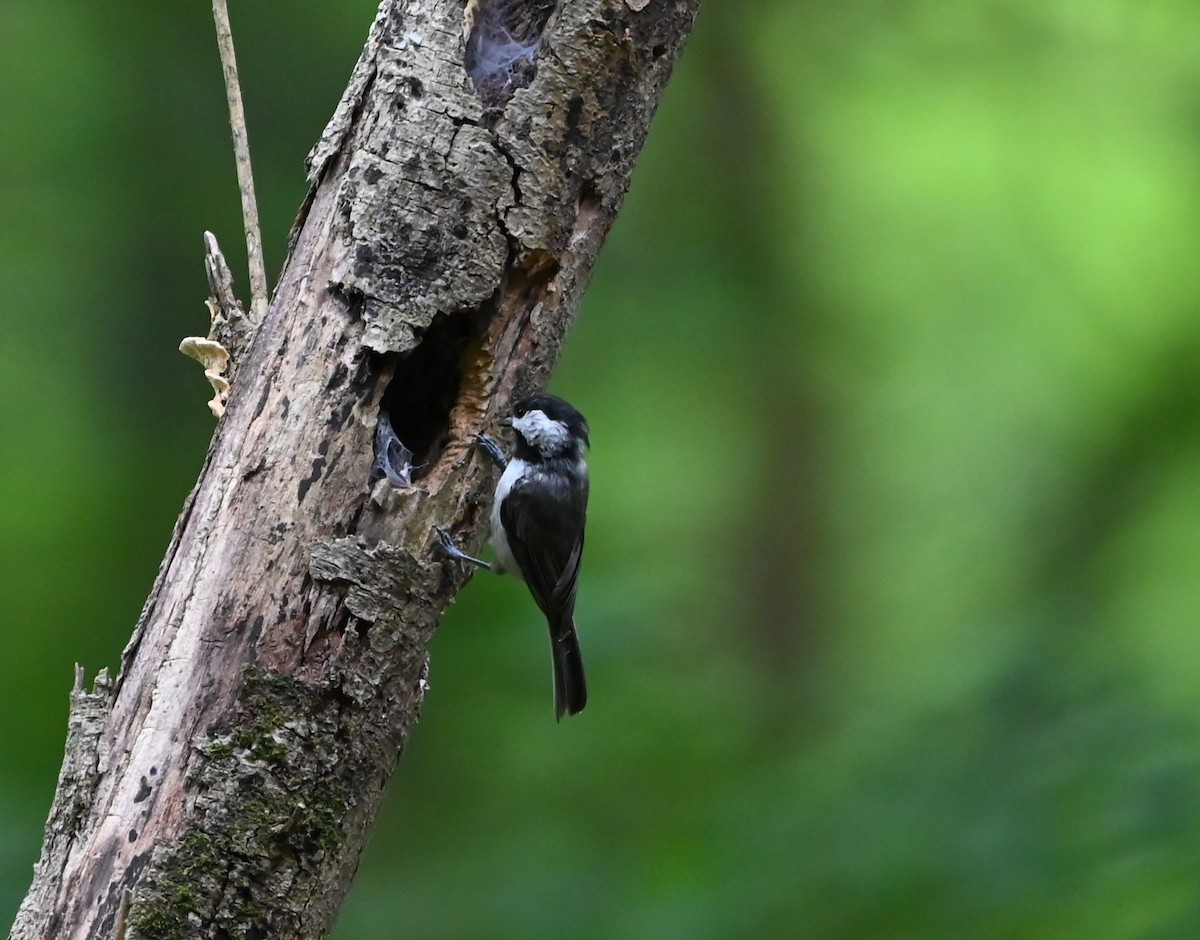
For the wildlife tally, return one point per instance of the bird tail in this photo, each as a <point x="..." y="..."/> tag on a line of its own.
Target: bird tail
<point x="570" y="687"/>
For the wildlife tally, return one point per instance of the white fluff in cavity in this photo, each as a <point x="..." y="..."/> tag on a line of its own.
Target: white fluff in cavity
<point x="499" y="53"/>
<point x="550" y="437"/>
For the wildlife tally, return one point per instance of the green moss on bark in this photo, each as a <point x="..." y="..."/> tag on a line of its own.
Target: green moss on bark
<point x="287" y="762"/>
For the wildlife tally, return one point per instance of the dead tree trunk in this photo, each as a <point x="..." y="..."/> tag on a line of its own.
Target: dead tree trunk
<point x="224" y="784"/>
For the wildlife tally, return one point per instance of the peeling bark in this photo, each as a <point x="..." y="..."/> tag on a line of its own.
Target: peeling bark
<point x="224" y="784"/>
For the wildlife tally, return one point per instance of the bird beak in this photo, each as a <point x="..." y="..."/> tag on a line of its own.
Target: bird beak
<point x="506" y="422"/>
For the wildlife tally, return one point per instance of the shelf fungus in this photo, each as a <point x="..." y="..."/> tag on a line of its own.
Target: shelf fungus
<point x="215" y="359"/>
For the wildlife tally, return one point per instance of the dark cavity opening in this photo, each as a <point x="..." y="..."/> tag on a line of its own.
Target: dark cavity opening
<point x="503" y="41"/>
<point x="414" y="421"/>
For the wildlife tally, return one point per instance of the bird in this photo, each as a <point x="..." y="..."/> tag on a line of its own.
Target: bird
<point x="538" y="521"/>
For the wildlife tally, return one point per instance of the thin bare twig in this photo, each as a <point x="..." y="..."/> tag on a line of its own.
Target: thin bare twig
<point x="241" y="151"/>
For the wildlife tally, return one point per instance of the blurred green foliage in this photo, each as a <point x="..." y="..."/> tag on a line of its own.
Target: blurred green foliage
<point x="891" y="606"/>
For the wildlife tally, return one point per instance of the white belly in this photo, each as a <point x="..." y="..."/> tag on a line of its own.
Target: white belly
<point x="514" y="471"/>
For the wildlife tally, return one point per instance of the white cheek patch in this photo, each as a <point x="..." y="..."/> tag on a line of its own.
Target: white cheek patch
<point x="548" y="436"/>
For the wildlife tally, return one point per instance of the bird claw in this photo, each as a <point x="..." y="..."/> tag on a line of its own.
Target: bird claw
<point x="445" y="541"/>
<point x="454" y="552"/>
<point x="494" y="451"/>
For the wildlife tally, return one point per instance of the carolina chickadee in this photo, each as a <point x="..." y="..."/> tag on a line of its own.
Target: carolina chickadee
<point x="538" y="520"/>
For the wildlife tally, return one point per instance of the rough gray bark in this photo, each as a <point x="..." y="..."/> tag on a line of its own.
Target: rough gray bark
<point x="224" y="784"/>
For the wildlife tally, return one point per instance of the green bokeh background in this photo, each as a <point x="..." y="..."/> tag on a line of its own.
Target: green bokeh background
<point x="891" y="608"/>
